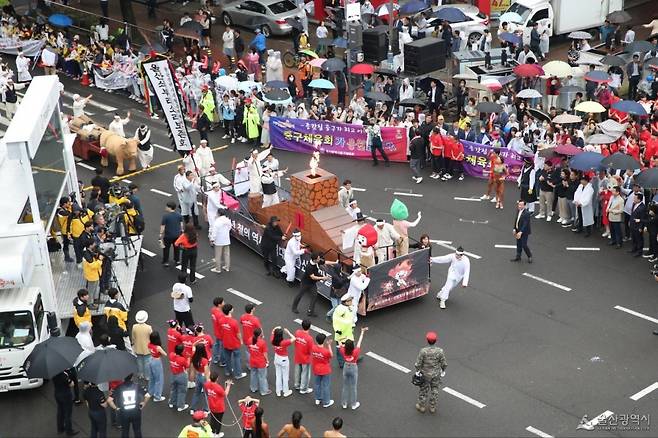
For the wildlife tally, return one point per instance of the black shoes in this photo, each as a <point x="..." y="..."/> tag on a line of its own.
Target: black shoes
<point x="529" y="259"/>
<point x="515" y="259"/>
<point x="295" y="311"/>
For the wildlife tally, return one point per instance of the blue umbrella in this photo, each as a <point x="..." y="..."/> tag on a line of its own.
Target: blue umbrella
<point x="341" y="43"/>
<point x="60" y="20"/>
<point x="321" y="83"/>
<point x="413" y="7"/>
<point x="509" y="37"/>
<point x="586" y="161"/>
<point x="597" y="76"/>
<point x="451" y="15"/>
<point x="630" y="107"/>
<point x="512" y="17"/>
<point x="277" y="84"/>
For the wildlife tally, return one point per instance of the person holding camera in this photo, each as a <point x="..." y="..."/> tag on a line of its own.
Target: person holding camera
<point x="92" y="269"/>
<point x="431" y="363"/>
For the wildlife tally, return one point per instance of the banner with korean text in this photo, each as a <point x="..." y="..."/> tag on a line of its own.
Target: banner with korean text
<point x="160" y="76"/>
<point x="331" y="138"/>
<point x="476" y="160"/>
<point x="30" y="48"/>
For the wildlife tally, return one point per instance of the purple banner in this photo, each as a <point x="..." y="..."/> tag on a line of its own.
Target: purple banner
<point x="477" y="163"/>
<point x="343" y="139"/>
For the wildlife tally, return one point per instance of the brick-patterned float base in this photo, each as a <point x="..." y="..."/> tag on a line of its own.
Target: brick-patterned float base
<point x="313" y="193"/>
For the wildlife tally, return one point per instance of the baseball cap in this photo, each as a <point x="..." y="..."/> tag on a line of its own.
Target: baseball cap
<point x="431" y="336"/>
<point x="345" y="298"/>
<point x="199" y="415"/>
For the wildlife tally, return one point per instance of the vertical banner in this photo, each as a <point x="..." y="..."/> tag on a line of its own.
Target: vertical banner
<point x="161" y="78"/>
<point x="476" y="160"/>
<point x="400" y="279"/>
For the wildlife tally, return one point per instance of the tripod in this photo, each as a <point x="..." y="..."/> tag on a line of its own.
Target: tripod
<point x="114" y="282"/>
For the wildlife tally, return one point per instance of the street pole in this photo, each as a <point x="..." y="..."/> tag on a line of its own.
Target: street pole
<point x="389" y="57"/>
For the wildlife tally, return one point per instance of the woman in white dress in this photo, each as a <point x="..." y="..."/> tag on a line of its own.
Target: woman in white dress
<point x="544" y="43"/>
<point x="23" y="68"/>
<point x="265" y="134"/>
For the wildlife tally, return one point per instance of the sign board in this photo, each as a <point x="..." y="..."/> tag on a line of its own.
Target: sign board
<point x="353" y="12"/>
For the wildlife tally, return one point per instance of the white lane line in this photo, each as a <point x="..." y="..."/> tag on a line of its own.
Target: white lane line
<point x="594" y="421"/>
<point x="415" y="195"/>
<point x="445" y="242"/>
<point x="549" y="282"/>
<point x="645" y="391"/>
<point x="160" y="192"/>
<point x="127" y="181"/>
<point x="147" y="252"/>
<point x="538" y="432"/>
<point x="457" y="198"/>
<point x="86" y="166"/>
<point x="505" y="246"/>
<point x="388" y="362"/>
<point x="161" y="147"/>
<point x="314" y="328"/>
<point x="93" y="103"/>
<point x="466" y="398"/>
<point x="578" y="248"/>
<point x="638" y="314"/>
<point x="196" y="274"/>
<point x="358" y="189"/>
<point x="470" y="254"/>
<point x="244" y="296"/>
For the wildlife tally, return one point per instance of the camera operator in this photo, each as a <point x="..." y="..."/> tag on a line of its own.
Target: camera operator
<point x="132" y="197"/>
<point x="92" y="269"/>
<point x="64" y="217"/>
<point x="132" y="219"/>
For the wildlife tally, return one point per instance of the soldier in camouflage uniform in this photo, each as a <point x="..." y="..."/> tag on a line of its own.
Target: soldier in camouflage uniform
<point x="432" y="362"/>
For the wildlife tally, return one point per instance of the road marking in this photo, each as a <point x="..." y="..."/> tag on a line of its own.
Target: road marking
<point x="388" y="362"/>
<point x="472" y="221"/>
<point x="147" y="252"/>
<point x="196" y="274"/>
<point x="470" y="254"/>
<point x="160" y="192"/>
<point x="638" y="314"/>
<point x="86" y="166"/>
<point x="645" y="391"/>
<point x="594" y="421"/>
<point x="244" y="296"/>
<point x="415" y="195"/>
<point x="358" y="189"/>
<point x="457" y="198"/>
<point x="127" y="181"/>
<point x="161" y="147"/>
<point x="577" y="248"/>
<point x="505" y="246"/>
<point x="445" y="242"/>
<point x="314" y="328"/>
<point x="466" y="398"/>
<point x="93" y="103"/>
<point x="538" y="432"/>
<point x="549" y="282"/>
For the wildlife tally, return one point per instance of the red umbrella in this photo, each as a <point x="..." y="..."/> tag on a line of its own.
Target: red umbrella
<point x="568" y="149"/>
<point x="528" y="70"/>
<point x="362" y="69"/>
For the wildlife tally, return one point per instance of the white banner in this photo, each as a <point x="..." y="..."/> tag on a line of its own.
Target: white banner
<point x="116" y="80"/>
<point x="160" y="76"/>
<point x="30" y="48"/>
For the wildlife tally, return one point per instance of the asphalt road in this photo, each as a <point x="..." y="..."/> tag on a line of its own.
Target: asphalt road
<point x="522" y="353"/>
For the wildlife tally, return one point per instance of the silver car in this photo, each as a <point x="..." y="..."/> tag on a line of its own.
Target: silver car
<point x="271" y="16"/>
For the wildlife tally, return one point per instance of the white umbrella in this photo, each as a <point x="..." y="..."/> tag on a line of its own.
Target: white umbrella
<point x="511" y="17"/>
<point x="227" y="82"/>
<point x="557" y="68"/>
<point x="528" y="93"/>
<point x="567" y="118"/>
<point x="579" y="35"/>
<point x="247" y="86"/>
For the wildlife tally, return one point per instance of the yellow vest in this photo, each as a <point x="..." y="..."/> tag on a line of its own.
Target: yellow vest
<point x="92" y="271"/>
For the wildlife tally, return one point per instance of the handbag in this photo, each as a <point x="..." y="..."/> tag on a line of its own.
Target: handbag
<point x="418" y="379"/>
<point x="53" y="245"/>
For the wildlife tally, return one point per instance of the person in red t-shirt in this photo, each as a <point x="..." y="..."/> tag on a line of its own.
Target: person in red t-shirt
<point x="321" y="364"/>
<point x="258" y="363"/>
<point x="436" y="149"/>
<point x="187" y="340"/>
<point x="281" y="362"/>
<point x="216" y="394"/>
<point x="249" y="323"/>
<point x="216" y="315"/>
<point x="248" y="407"/>
<point x="156" y="382"/>
<point x="456" y="158"/>
<point x="202" y="338"/>
<point x="231" y="340"/>
<point x="351" y="371"/>
<point x="202" y="373"/>
<point x="302" y="359"/>
<point x="174" y="336"/>
<point x="178" y="364"/>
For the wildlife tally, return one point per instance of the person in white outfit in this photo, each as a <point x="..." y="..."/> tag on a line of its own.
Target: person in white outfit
<point x="353" y="209"/>
<point x="459" y="271"/>
<point x="255" y="169"/>
<point x="116" y="126"/>
<point x="293" y="251"/>
<point x="204" y="158"/>
<point x="144" y="148"/>
<point x="79" y="103"/>
<point x="358" y="283"/>
<point x="188" y="206"/>
<point x="220" y="238"/>
<point x="84" y="339"/>
<point x="23" y="67"/>
<point x="387" y="238"/>
<point x="178" y="182"/>
<point x="213" y="204"/>
<point x="406" y="92"/>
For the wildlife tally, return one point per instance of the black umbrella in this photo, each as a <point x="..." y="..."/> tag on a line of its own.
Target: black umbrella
<point x="276" y="95"/>
<point x="620" y="161"/>
<point x="295" y="23"/>
<point x="333" y="64"/>
<point x="639" y="46"/>
<point x="539" y="115"/>
<point x="51" y="357"/>
<point x="378" y="96"/>
<point x="572" y="89"/>
<point x="648" y="178"/>
<point x="192" y="25"/>
<point x="489" y="107"/>
<point x="154" y="47"/>
<point x="106" y="365"/>
<point x="385" y="72"/>
<point x="412" y="102"/>
<point x="619" y="17"/>
<point x="276" y="84"/>
<point x="612" y="60"/>
<point x="652" y="62"/>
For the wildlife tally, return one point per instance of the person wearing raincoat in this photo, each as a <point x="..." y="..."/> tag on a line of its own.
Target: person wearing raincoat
<point x="251" y="121"/>
<point x="208" y="102"/>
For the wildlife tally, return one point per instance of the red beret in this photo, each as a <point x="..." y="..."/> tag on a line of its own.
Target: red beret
<point x="431" y="337"/>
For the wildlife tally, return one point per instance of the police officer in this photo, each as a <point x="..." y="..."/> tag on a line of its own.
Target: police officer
<point x="63" y="383"/>
<point x="129" y="398"/>
<point x="432" y="363"/>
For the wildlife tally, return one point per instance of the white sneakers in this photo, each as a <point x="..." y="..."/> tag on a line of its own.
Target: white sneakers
<point x="288" y="393"/>
<point x="548" y="218"/>
<point x="225" y="136"/>
<point x="493" y="199"/>
<point x="355" y="406"/>
<point x="184" y="408"/>
<point x="483" y="197"/>
<point x="331" y="402"/>
<point x="540" y="216"/>
<point x="442" y="304"/>
<point x="216" y="271"/>
<point x="306" y="391"/>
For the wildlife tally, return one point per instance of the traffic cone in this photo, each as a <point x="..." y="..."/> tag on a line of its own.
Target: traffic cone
<point x="84" y="80"/>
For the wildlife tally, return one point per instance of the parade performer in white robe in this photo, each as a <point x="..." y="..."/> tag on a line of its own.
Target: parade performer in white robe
<point x="459" y="271"/>
<point x="144" y="148"/>
<point x="270" y="193"/>
<point x="213" y="204"/>
<point x="23" y="68"/>
<point x="204" y="158"/>
<point x="358" y="283"/>
<point x="255" y="170"/>
<point x="293" y="251"/>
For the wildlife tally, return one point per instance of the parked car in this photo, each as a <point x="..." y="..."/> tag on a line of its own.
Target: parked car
<point x="474" y="25"/>
<point x="268" y="15"/>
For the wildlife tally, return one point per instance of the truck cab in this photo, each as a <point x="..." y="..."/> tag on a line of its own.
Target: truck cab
<point x="531" y="11"/>
<point x="23" y="324"/>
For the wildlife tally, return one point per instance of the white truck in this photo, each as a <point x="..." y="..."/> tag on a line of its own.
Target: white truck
<point x="560" y="17"/>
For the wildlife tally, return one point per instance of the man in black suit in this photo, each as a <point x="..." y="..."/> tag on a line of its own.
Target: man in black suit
<point x="434" y="98"/>
<point x="522" y="231"/>
<point x="637" y="224"/>
<point x="469" y="134"/>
